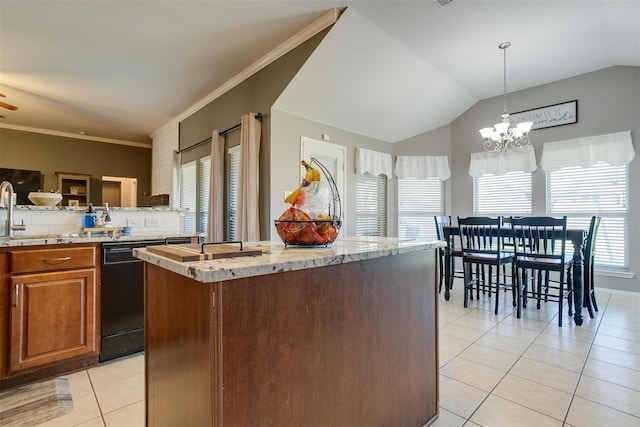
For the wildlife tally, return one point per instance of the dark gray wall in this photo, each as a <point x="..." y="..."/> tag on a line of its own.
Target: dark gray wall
<point x="50" y="154"/>
<point x="256" y="94"/>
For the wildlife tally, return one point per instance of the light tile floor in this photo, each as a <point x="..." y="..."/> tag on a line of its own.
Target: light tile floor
<point x="494" y="370"/>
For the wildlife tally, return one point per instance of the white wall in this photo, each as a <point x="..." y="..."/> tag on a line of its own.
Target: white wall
<point x="286" y="130"/>
<point x="608" y="101"/>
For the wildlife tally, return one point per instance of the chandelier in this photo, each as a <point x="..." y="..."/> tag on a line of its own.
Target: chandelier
<point x="502" y="136"/>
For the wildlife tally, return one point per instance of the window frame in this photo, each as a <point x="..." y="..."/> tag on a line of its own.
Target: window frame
<point x="370" y="222"/>
<point x="496" y="208"/>
<point x="418" y="215"/>
<point x="612" y="242"/>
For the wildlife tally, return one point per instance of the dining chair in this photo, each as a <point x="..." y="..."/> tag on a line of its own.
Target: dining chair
<point x="539" y="249"/>
<point x="589" y="256"/>
<point x="440" y="221"/>
<point x="481" y="245"/>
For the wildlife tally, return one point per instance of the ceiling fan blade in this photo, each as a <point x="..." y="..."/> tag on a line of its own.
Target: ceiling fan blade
<point x="8" y="106"/>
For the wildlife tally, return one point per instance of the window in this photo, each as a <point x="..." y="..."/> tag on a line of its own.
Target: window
<point x="187" y="190"/>
<point x="233" y="176"/>
<point x="193" y="193"/>
<point x="601" y="190"/>
<point x="371" y="205"/>
<point x="419" y="200"/>
<point x="507" y="194"/>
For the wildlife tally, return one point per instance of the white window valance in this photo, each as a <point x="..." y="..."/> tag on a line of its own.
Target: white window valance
<point x="486" y="163"/>
<point x="615" y="149"/>
<point x="422" y="167"/>
<point x="373" y="162"/>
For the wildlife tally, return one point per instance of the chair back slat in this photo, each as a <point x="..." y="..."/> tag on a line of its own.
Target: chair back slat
<point x="441" y="220"/>
<point x="480" y="234"/>
<point x="590" y="243"/>
<point x="540" y="237"/>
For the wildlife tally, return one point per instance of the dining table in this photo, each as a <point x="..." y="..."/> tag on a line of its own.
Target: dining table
<point x="576" y="236"/>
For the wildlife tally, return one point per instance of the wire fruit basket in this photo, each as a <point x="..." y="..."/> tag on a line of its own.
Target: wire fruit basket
<point x="303" y="230"/>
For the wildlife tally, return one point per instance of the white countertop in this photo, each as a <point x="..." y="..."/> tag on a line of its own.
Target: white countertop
<point x="80" y="238"/>
<point x="277" y="258"/>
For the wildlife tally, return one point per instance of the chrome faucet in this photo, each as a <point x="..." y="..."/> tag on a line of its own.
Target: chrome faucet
<point x="10" y="227"/>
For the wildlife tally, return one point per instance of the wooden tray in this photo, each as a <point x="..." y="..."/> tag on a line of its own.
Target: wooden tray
<point x="193" y="252"/>
<point x="109" y="230"/>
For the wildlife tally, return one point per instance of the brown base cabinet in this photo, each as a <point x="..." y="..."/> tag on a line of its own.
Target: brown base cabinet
<point x="353" y="344"/>
<point x="52" y="317"/>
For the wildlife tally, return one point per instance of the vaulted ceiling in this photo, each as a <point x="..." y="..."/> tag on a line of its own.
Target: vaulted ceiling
<point x="121" y="70"/>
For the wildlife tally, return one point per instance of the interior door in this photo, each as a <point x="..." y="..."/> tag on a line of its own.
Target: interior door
<point x="333" y="157"/>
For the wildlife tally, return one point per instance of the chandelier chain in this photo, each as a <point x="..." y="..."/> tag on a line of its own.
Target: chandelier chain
<point x="504" y="50"/>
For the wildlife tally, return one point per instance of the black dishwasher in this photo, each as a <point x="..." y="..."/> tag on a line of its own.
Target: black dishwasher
<point x="122" y="297"/>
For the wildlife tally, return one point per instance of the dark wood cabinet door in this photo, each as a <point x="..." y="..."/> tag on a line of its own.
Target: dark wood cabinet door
<point x="53" y="317"/>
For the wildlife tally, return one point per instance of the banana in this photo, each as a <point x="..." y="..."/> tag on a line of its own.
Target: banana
<point x="312" y="174"/>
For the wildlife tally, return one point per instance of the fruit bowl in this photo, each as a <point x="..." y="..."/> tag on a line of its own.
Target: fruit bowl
<point x="308" y="233"/>
<point x="41" y="198"/>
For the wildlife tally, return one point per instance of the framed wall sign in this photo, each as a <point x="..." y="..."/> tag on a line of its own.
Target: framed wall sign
<point x="545" y="117"/>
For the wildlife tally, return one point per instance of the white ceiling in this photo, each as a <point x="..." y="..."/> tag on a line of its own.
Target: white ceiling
<point x="122" y="69"/>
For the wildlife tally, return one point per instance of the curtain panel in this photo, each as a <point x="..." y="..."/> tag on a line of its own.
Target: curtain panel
<point x="373" y="162"/>
<point x="215" y="227"/>
<point x="422" y="167"/>
<point x="615" y="149"/>
<point x="248" y="204"/>
<point x="175" y="178"/>
<point x="486" y="163"/>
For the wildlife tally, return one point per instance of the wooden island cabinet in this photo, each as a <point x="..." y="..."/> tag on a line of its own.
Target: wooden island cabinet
<point x="340" y="336"/>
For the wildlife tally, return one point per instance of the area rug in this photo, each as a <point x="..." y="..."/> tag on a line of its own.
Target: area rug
<point x="34" y="404"/>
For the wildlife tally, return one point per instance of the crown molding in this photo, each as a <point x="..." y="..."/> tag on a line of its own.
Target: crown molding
<point x="294" y="41"/>
<point x="74" y="135"/>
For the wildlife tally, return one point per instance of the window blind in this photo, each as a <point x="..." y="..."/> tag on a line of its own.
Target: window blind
<point x="187" y="184"/>
<point x="419" y="200"/>
<point x="233" y="176"/>
<point x="371" y="205"/>
<point x="203" y="192"/>
<point x="508" y="194"/>
<point x="601" y="190"/>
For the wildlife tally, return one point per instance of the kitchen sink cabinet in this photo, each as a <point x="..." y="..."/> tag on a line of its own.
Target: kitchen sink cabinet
<point x="51" y="325"/>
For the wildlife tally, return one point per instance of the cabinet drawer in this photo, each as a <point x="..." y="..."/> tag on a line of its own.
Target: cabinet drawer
<point x="28" y="261"/>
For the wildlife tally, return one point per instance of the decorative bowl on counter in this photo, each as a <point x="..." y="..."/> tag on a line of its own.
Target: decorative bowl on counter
<point x="40" y="198"/>
<point x="308" y="233"/>
<point x="320" y="224"/>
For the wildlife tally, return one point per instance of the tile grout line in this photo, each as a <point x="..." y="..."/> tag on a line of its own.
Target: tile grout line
<point x="96" y="398"/>
<point x="586" y="359"/>
<point x="507" y="373"/>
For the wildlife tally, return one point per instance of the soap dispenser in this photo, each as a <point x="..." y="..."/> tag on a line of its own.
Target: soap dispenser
<point x="90" y="217"/>
<point x="107" y="216"/>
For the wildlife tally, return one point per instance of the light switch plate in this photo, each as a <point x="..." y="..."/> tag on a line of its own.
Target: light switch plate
<point x="152" y="222"/>
<point x="134" y="222"/>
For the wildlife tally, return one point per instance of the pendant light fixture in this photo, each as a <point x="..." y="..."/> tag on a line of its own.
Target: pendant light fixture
<point x="502" y="136"/>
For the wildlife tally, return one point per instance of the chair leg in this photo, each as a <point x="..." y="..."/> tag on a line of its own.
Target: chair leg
<point x="441" y="265"/>
<point x="592" y="288"/>
<point x="539" y="289"/>
<point x="518" y="292"/>
<point x="570" y="291"/>
<point x="465" y="268"/>
<point x="524" y="287"/>
<point x="497" y="287"/>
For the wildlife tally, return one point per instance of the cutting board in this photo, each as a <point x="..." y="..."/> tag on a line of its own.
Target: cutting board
<point x="192" y="252"/>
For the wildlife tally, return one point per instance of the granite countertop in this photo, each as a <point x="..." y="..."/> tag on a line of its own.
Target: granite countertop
<point x="277" y="258"/>
<point x="80" y="238"/>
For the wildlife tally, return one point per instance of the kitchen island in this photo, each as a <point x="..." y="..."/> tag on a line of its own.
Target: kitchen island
<point x="345" y="335"/>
